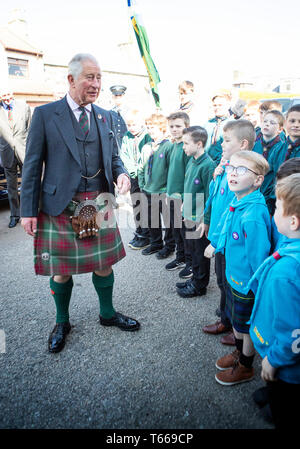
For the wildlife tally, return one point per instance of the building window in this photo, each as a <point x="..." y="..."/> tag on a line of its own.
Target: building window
<point x="17" y="67"/>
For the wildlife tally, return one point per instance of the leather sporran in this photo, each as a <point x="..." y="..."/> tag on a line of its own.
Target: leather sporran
<point x="84" y="221"/>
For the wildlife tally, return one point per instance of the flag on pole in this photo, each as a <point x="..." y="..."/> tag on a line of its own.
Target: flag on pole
<point x="143" y="43"/>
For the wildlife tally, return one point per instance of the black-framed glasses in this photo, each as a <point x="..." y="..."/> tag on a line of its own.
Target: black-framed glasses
<point x="240" y="170"/>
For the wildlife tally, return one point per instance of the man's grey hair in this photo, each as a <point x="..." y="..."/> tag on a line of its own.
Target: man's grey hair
<point x="75" y="65"/>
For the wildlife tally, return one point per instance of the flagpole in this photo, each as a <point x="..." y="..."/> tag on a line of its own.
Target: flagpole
<point x="143" y="44"/>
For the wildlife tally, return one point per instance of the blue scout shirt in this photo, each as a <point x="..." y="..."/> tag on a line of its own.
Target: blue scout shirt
<point x="274" y="157"/>
<point x="274" y="322"/>
<point x="220" y="197"/>
<point x="245" y="235"/>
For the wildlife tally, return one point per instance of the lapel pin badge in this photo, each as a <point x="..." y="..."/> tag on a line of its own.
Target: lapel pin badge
<point x="100" y="117"/>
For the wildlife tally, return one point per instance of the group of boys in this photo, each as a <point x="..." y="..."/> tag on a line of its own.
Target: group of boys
<point x="217" y="188"/>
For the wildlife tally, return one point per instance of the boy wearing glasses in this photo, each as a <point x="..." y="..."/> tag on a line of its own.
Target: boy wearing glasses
<point x="237" y="135"/>
<point x="245" y="236"/>
<point x="272" y="147"/>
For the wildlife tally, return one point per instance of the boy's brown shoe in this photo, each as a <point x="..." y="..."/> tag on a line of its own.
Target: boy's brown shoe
<point x="228" y="339"/>
<point x="228" y="360"/>
<point x="235" y="375"/>
<point x="215" y="329"/>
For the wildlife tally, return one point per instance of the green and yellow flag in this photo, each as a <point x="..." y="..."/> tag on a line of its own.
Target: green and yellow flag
<point x="143" y="43"/>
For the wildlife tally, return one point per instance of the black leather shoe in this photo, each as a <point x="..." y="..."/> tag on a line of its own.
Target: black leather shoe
<point x="190" y="291"/>
<point x="123" y="322"/>
<point x="57" y="337"/>
<point x="13" y="222"/>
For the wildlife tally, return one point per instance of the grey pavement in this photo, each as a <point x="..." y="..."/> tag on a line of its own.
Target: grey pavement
<point x="161" y="377"/>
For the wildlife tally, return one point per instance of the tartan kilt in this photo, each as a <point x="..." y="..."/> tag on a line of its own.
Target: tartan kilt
<point x="57" y="250"/>
<point x="238" y="308"/>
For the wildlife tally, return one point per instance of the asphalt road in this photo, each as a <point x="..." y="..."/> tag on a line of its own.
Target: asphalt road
<point x="161" y="377"/>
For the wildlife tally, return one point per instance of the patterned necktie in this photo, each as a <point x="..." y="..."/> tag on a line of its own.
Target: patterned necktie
<point x="84" y="121"/>
<point x="215" y="135"/>
<point x="135" y="148"/>
<point x="10" y="116"/>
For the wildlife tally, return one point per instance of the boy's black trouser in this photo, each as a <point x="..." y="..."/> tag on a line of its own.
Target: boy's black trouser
<point x="284" y="400"/>
<point x="196" y="247"/>
<point x="221" y="281"/>
<point x="176" y="221"/>
<point x="157" y="209"/>
<point x="142" y="232"/>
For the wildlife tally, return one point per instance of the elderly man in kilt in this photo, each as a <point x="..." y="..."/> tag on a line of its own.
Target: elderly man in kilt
<point x="71" y="160"/>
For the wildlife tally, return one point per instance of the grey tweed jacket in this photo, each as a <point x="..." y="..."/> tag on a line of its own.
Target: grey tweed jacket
<point x="13" y="140"/>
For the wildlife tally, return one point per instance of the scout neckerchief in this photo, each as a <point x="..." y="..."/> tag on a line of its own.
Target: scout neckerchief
<point x="258" y="133"/>
<point x="291" y="147"/>
<point x="267" y="146"/>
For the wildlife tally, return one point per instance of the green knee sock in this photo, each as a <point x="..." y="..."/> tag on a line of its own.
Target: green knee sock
<point x="62" y="295"/>
<point x="104" y="288"/>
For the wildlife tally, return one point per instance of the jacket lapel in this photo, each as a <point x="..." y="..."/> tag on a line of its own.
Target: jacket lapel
<point x="3" y="118"/>
<point x="104" y="130"/>
<point x="16" y="114"/>
<point x="64" y="124"/>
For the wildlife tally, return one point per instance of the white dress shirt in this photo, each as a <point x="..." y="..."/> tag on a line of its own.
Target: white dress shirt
<point x="76" y="109"/>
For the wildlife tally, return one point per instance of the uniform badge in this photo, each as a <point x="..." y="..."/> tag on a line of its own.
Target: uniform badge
<point x="197" y="181"/>
<point x="222" y="191"/>
<point x="235" y="235"/>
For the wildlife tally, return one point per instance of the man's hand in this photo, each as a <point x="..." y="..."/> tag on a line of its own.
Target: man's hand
<point x="203" y="228"/>
<point x="268" y="371"/>
<point x="209" y="251"/>
<point x="123" y="184"/>
<point x="29" y="224"/>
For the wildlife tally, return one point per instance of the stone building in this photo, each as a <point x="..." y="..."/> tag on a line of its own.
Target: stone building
<point x="36" y="78"/>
